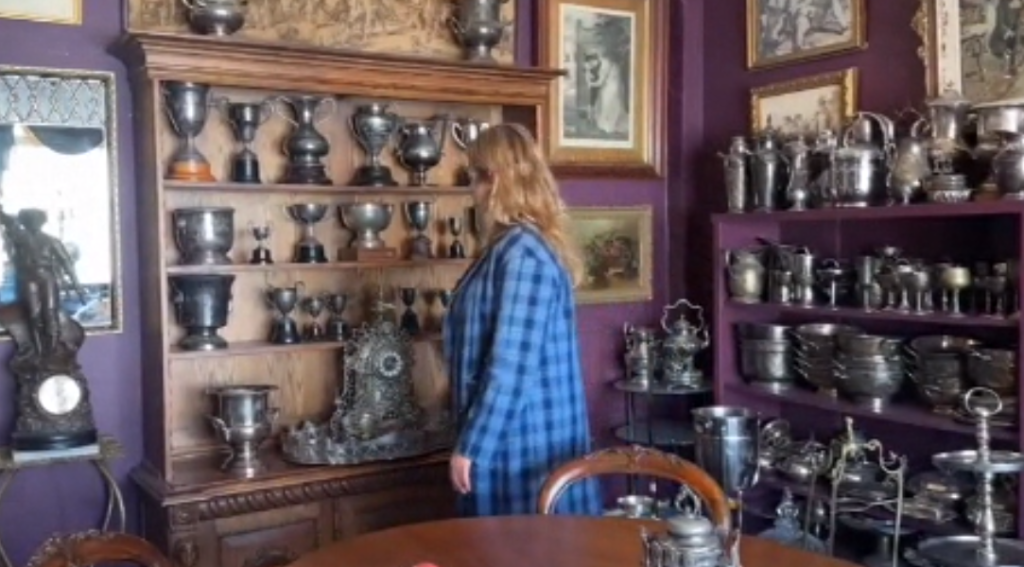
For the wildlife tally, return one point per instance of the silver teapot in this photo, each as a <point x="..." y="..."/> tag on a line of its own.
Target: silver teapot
<point x="683" y="341"/>
<point x="691" y="541"/>
<point x="641" y="354"/>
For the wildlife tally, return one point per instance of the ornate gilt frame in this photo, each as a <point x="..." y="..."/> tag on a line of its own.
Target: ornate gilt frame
<point x="647" y="156"/>
<point x="856" y="43"/>
<point x="74" y="20"/>
<point x="937" y="23"/>
<point x="645" y="290"/>
<point x="114" y="162"/>
<point x="846" y="79"/>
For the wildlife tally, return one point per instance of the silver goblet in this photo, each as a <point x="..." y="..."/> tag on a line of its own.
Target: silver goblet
<point x="309" y="250"/>
<point x="418" y="215"/>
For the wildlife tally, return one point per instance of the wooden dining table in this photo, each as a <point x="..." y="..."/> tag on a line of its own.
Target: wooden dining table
<point x="529" y="541"/>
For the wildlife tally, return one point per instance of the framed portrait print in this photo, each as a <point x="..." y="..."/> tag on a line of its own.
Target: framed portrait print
<point x="67" y="12"/>
<point x="787" y="32"/>
<point x="606" y="115"/>
<point x="616" y="244"/>
<point x="974" y="47"/>
<point x="805" y="106"/>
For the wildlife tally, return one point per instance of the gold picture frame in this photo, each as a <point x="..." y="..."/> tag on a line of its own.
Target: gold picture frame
<point x="832" y="96"/>
<point x="64" y="12"/>
<point x="606" y="116"/>
<point x="851" y="38"/>
<point x="617" y="247"/>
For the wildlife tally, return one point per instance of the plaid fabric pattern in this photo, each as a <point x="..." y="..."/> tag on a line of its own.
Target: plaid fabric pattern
<point x="513" y="358"/>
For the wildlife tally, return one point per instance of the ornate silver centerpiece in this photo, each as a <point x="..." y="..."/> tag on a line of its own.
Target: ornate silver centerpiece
<point x="376" y="416"/>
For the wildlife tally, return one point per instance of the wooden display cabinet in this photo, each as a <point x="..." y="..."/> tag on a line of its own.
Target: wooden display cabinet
<point x="198" y="514"/>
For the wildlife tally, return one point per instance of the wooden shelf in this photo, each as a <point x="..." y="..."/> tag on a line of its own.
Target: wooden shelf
<point x="288" y="266"/>
<point x="899" y="413"/>
<point x="854" y="314"/>
<point x="255" y="348"/>
<point x="928" y="210"/>
<point x="255" y="188"/>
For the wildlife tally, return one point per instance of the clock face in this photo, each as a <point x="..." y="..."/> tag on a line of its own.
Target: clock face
<point x="59" y="394"/>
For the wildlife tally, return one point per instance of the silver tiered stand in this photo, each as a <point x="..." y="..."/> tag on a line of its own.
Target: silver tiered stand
<point x="983" y="549"/>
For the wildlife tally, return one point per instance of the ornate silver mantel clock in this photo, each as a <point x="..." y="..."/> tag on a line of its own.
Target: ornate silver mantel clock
<point x="54" y="412"/>
<point x="377" y="416"/>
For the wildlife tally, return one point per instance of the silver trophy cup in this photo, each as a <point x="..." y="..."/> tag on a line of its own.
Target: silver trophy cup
<point x="243" y="418"/>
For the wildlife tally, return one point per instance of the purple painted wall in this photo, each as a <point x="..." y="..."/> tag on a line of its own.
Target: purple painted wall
<point x="70" y="497"/>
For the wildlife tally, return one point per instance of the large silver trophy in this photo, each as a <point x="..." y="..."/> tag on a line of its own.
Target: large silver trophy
<point x="204" y="236"/>
<point x="366" y="221"/>
<point x="373" y="126"/>
<point x="728" y="448"/>
<point x="243" y="419"/>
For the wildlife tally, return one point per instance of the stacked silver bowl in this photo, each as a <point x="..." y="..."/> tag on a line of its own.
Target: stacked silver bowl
<point x="814" y="354"/>
<point x="766" y="355"/>
<point x="870" y="369"/>
<point x="938" y="368"/>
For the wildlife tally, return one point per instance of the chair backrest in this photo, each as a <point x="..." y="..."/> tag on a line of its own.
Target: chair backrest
<point x="636" y="460"/>
<point x="96" y="548"/>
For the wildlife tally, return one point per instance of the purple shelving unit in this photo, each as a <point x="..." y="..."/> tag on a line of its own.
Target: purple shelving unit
<point x="966" y="232"/>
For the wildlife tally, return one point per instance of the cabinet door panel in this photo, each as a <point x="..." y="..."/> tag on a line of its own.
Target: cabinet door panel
<point x="270" y="547"/>
<point x="362" y="513"/>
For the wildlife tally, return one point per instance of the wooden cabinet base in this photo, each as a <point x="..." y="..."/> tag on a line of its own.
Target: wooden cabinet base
<point x="269" y="522"/>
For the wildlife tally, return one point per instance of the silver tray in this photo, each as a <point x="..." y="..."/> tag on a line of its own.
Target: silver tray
<point x="313" y="445"/>
<point x="962" y="551"/>
<point x="1000" y="462"/>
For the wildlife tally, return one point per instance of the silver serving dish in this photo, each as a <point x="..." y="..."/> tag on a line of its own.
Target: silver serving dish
<point x="941" y="487"/>
<point x="962" y="551"/>
<point x="1000" y="462"/>
<point x="924" y="509"/>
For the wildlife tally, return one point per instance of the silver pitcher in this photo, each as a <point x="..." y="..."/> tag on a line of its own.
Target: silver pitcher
<point x="798" y="188"/>
<point x="910" y="167"/>
<point x="737" y="190"/>
<point x="641" y="356"/>
<point x="243" y="418"/>
<point x="745" y="270"/>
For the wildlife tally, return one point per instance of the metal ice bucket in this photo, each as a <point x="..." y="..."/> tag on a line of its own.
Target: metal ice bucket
<point x="727" y="446"/>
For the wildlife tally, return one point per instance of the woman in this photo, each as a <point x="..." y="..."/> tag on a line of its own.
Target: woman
<point x="510" y="338"/>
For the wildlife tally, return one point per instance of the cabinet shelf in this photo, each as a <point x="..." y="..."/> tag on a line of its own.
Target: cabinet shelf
<point x="288" y="266"/>
<point x="256" y="348"/>
<point x="659" y="389"/>
<point x="854" y="314"/>
<point x="296" y="188"/>
<point x="898" y="413"/>
<point x="868" y="214"/>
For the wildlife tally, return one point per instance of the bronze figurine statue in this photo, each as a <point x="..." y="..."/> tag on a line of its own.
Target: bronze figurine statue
<point x="53" y="406"/>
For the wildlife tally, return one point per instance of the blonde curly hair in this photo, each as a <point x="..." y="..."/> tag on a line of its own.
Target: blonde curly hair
<point x="522" y="190"/>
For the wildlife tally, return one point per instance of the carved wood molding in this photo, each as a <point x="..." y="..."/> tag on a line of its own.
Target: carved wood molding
<point x="186" y="516"/>
<point x="249" y="64"/>
<point x="95" y="547"/>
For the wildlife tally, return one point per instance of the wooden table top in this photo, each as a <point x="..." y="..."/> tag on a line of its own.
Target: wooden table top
<point x="527" y="541"/>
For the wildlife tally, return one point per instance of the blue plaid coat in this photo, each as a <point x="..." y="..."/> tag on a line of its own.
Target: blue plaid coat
<point x="513" y="358"/>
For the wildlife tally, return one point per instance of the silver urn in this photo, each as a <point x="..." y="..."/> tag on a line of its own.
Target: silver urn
<point x="204" y="235"/>
<point x="478" y="26"/>
<point x="201" y="304"/>
<point x="243" y="419"/>
<point x="215" y="17"/>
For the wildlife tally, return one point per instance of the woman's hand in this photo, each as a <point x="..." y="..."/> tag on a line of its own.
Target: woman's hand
<point x="459" y="472"/>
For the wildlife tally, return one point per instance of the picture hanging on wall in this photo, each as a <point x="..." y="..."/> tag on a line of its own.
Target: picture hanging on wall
<point x="617" y="250"/>
<point x="973" y="47"/>
<point x="788" y="32"/>
<point x="805" y="106"/>
<point x="606" y="115"/>
<point x="68" y="12"/>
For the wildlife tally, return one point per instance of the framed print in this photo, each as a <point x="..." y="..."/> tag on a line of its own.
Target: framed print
<point x="973" y="47"/>
<point x="67" y="12"/>
<point x="780" y="32"/>
<point x="616" y="244"/>
<point x="805" y="106"/>
<point x="606" y="115"/>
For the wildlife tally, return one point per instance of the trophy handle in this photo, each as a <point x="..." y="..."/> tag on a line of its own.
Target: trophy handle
<point x="321" y="105"/>
<point x="456" y="27"/>
<point x="300" y="286"/>
<point x="459" y="134"/>
<point x="266" y="110"/>
<point x="220" y="427"/>
<point x="273" y="102"/>
<point x="221" y="103"/>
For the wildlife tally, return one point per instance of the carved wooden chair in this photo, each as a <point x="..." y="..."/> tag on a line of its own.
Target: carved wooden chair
<point x="97" y="548"/>
<point x="636" y="460"/>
